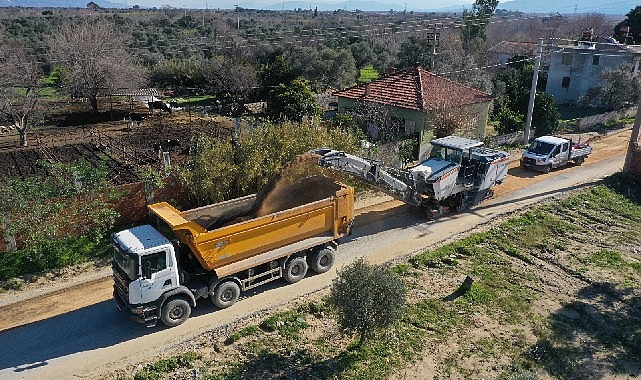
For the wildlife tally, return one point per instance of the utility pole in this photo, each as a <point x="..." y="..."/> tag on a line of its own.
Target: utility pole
<point x="632" y="165"/>
<point x="535" y="79"/>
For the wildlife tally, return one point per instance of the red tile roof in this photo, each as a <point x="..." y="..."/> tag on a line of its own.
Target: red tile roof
<point x="417" y="89"/>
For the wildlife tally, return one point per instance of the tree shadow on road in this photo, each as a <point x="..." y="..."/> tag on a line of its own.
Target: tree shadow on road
<point x="595" y="336"/>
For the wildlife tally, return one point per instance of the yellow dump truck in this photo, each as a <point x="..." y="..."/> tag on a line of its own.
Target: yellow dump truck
<point x="222" y="249"/>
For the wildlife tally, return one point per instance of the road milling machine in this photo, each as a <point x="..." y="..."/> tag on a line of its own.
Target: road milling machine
<point x="458" y="174"/>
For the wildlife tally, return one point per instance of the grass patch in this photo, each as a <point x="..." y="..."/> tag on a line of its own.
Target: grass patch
<point x="54" y="254"/>
<point x="156" y="370"/>
<point x="245" y="331"/>
<point x="196" y="101"/>
<point x="288" y="324"/>
<point x="605" y="258"/>
<point x="368" y="74"/>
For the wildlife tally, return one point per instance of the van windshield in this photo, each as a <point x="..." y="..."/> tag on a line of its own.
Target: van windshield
<point x="540" y="148"/>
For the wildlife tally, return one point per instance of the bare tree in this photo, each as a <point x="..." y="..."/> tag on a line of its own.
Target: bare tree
<point x="96" y="61"/>
<point x="20" y="100"/>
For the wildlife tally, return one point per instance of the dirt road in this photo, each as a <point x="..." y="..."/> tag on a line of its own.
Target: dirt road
<point x="81" y="335"/>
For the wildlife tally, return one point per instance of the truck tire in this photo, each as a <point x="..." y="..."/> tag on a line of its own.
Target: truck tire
<point x="174" y="312"/>
<point x="226" y="294"/>
<point x="295" y="269"/>
<point x="579" y="160"/>
<point x="547" y="169"/>
<point x="322" y="260"/>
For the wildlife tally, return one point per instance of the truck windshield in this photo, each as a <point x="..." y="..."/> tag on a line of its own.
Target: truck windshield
<point x="540" y="148"/>
<point x="126" y="263"/>
<point x="443" y="153"/>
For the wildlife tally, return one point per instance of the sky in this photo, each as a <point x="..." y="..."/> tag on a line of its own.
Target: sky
<point x="258" y="4"/>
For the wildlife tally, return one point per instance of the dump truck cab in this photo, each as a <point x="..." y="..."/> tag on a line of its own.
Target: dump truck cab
<point x="145" y="272"/>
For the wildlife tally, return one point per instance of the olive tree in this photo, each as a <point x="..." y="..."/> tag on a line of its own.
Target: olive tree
<point x="96" y="62"/>
<point x="367" y="297"/>
<point x="473" y="32"/>
<point x="618" y="88"/>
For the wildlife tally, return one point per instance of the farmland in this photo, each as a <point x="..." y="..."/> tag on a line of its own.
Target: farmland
<point x="105" y="139"/>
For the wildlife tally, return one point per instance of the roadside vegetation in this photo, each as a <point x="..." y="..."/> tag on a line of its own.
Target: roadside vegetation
<point x="56" y="220"/>
<point x="64" y="218"/>
<point x="555" y="293"/>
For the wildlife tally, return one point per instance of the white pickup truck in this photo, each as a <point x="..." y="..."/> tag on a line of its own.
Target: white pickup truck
<point x="549" y="152"/>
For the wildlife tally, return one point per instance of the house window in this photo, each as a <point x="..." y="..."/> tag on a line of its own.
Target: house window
<point x="595" y="59"/>
<point x="566" y="82"/>
<point x="566" y="59"/>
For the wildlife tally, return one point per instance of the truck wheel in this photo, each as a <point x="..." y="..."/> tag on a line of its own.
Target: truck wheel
<point x="295" y="270"/>
<point x="175" y="311"/>
<point x="226" y="294"/>
<point x="579" y="160"/>
<point x="322" y="260"/>
<point x="547" y="169"/>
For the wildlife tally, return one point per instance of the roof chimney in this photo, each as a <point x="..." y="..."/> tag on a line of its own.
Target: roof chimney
<point x="367" y="89"/>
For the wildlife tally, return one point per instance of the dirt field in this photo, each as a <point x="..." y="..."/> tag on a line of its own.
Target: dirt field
<point x="74" y="132"/>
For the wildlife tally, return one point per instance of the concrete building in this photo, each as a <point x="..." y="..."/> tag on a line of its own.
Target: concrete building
<point x="575" y="67"/>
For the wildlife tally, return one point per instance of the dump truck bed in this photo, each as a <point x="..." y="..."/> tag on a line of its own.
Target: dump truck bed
<point x="239" y="237"/>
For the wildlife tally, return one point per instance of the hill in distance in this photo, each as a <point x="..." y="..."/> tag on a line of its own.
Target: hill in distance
<point x="619" y="7"/>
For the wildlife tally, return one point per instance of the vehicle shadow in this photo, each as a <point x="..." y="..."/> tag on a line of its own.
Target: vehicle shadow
<point x="34" y="345"/>
<point x="600" y="329"/>
<point x="520" y="172"/>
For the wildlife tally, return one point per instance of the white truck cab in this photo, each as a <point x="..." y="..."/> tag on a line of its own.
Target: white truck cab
<point x="145" y="271"/>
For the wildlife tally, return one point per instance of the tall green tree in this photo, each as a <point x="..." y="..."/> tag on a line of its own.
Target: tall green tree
<point x="366" y="298"/>
<point x="277" y="70"/>
<point x="473" y="33"/>
<point x="292" y="102"/>
<point x="633" y="20"/>
<point x="416" y="51"/>
<point x="512" y="95"/>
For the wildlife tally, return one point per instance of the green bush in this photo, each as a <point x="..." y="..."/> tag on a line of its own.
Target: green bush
<point x="57" y="220"/>
<point x="221" y="169"/>
<point x="366" y="298"/>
